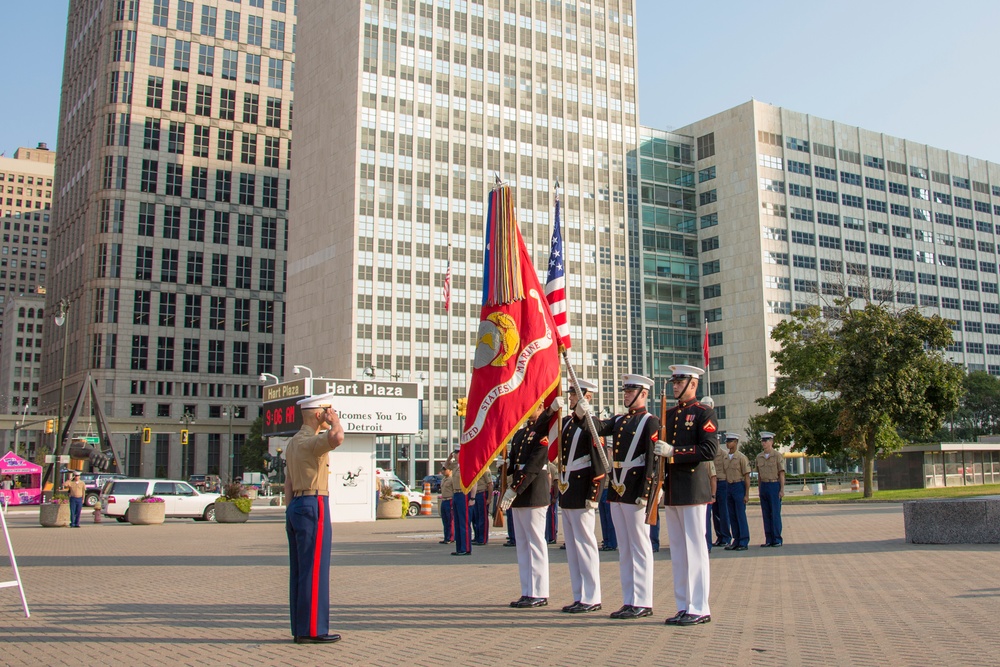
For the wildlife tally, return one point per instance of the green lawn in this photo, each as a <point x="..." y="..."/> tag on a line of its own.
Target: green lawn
<point x="902" y="494"/>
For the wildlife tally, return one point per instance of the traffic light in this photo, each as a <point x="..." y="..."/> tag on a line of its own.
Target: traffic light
<point x="462" y="404"/>
<point x="147" y="435"/>
<point x="184" y="436"/>
<point x="49" y="424"/>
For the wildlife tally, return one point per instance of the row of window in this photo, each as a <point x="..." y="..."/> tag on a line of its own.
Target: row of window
<point x="922" y="173"/>
<point x="192" y="317"/>
<point x="194" y="275"/>
<point x="21" y="178"/>
<point x="809" y="262"/>
<point x="104" y="351"/>
<point x="127" y="10"/>
<point x="228" y="64"/>
<point x="231" y="28"/>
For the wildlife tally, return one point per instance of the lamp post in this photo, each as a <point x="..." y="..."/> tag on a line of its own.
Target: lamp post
<point x="228" y="411"/>
<point x="61" y="321"/>
<point x="264" y="377"/>
<point x="187" y="419"/>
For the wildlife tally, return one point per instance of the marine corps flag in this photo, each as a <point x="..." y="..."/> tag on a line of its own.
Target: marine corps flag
<point x="516" y="364"/>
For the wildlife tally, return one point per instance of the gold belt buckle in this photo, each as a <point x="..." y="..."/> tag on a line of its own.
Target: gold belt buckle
<point x="617" y="465"/>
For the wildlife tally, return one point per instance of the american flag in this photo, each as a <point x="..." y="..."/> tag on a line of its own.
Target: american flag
<point x="555" y="287"/>
<point x="446" y="289"/>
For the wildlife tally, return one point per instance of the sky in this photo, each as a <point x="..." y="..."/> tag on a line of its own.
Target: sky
<point x="916" y="69"/>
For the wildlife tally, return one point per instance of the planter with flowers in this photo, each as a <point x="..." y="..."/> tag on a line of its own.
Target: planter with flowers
<point x="390" y="506"/>
<point x="54" y="513"/>
<point x="233" y="506"/>
<point x="146" y="511"/>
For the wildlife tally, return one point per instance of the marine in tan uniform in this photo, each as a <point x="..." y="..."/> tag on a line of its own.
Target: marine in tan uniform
<point x="771" y="472"/>
<point x="736" y="471"/>
<point x="307" y="519"/>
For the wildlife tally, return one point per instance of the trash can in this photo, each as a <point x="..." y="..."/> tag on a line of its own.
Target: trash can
<point x="818" y="489"/>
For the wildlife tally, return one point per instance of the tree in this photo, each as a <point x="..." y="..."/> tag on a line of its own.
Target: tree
<point x="254" y="447"/>
<point x="979" y="410"/>
<point x="870" y="378"/>
<point x="751" y="446"/>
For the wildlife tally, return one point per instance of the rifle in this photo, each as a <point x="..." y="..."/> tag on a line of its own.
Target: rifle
<point x="653" y="502"/>
<point x="498" y="516"/>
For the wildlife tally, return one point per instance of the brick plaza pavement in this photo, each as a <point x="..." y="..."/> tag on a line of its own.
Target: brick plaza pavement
<point x="844" y="590"/>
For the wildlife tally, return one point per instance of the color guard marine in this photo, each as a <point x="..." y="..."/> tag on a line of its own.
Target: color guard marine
<point x="632" y="471"/>
<point x="690" y="443"/>
<point x="580" y="474"/>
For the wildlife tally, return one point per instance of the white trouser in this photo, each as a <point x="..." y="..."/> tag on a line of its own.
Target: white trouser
<point x="635" y="554"/>
<point x="581" y="553"/>
<point x="689" y="557"/>
<point x="532" y="552"/>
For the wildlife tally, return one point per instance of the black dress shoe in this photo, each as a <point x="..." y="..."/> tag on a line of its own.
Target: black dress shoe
<point x="461" y="553"/>
<point x="609" y="549"/>
<point x="766" y="544"/>
<point x="636" y="612"/>
<point x="656" y="550"/>
<point x="527" y="602"/>
<point x="444" y="542"/>
<point x="518" y="601"/>
<point x="580" y="608"/>
<point x="322" y="639"/>
<point x="570" y="606"/>
<point x="675" y="619"/>
<point x="743" y="548"/>
<point x="508" y="543"/>
<point x="731" y="547"/>
<point x="618" y="614"/>
<point x="690" y="619"/>
<point x="478" y="543"/>
<point x="563" y="546"/>
<point x="776" y="544"/>
<point x="719" y="543"/>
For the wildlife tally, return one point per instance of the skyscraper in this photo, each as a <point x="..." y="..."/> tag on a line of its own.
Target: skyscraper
<point x="170" y="217"/>
<point x="407" y="110"/>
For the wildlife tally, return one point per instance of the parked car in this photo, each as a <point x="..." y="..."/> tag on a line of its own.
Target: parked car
<point x="182" y="500"/>
<point x="435" y="481"/>
<point x="94" y="482"/>
<point x="206" y="483"/>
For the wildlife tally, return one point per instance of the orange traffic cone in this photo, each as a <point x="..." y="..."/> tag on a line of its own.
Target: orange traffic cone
<point x="855" y="486"/>
<point x="425" y="502"/>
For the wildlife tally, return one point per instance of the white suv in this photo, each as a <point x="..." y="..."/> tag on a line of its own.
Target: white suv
<point x="181" y="499"/>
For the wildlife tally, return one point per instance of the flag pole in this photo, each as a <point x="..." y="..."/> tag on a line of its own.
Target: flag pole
<point x="448" y="406"/>
<point x="708" y="373"/>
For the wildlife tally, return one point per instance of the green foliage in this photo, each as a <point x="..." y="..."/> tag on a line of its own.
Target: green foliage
<point x="254" y="448"/>
<point x="979" y="410"/>
<point x="864" y="383"/>
<point x="234" y="491"/>
<point x="750" y="446"/>
<point x="243" y="504"/>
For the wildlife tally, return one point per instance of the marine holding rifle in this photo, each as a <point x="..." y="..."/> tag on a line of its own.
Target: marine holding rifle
<point x="631" y="481"/>
<point x="690" y="443"/>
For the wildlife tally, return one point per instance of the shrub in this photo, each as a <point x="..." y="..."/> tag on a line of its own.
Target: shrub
<point x="234" y="491"/>
<point x="242" y="503"/>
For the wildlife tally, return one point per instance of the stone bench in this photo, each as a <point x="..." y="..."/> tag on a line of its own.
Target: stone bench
<point x="952" y="520"/>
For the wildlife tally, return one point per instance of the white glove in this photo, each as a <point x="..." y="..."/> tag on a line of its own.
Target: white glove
<point x="592" y="504"/>
<point x="641" y="502"/>
<point x="582" y="408"/>
<point x="510" y="480"/>
<point x="664" y="449"/>
<point x="557" y="404"/>
<point x="507" y="499"/>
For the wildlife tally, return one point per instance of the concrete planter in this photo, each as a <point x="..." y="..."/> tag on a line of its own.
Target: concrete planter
<point x="146" y="514"/>
<point x="52" y="515"/>
<point x="229" y="513"/>
<point x="389" y="509"/>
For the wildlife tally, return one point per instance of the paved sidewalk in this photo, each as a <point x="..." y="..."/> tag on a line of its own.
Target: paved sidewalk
<point x="844" y="590"/>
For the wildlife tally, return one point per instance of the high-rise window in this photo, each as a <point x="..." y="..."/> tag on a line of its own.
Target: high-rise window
<point x="185" y="15"/>
<point x="208" y="20"/>
<point x="255" y="30"/>
<point x="231" y="26"/>
<point x="182" y="56"/>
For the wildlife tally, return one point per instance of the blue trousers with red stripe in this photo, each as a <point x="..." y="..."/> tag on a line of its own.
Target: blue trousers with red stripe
<point x="307" y="524"/>
<point x="447" y="521"/>
<point x="460" y="507"/>
<point x="481" y="519"/>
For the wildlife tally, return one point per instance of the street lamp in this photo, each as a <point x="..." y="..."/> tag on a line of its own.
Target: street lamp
<point x="264" y="377"/>
<point x="187" y="419"/>
<point x="61" y="320"/>
<point x="298" y="369"/>
<point x="228" y="411"/>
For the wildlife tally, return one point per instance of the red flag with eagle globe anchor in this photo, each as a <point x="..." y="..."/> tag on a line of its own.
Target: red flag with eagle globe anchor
<point x="516" y="363"/>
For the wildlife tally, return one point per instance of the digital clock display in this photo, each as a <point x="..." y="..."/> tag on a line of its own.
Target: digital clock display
<point x="281" y="417"/>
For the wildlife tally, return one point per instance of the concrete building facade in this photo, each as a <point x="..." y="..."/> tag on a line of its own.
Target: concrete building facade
<point x="796" y="210"/>
<point x="170" y="218"/>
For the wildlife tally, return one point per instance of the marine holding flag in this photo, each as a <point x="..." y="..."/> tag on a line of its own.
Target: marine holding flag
<point x="515" y="374"/>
